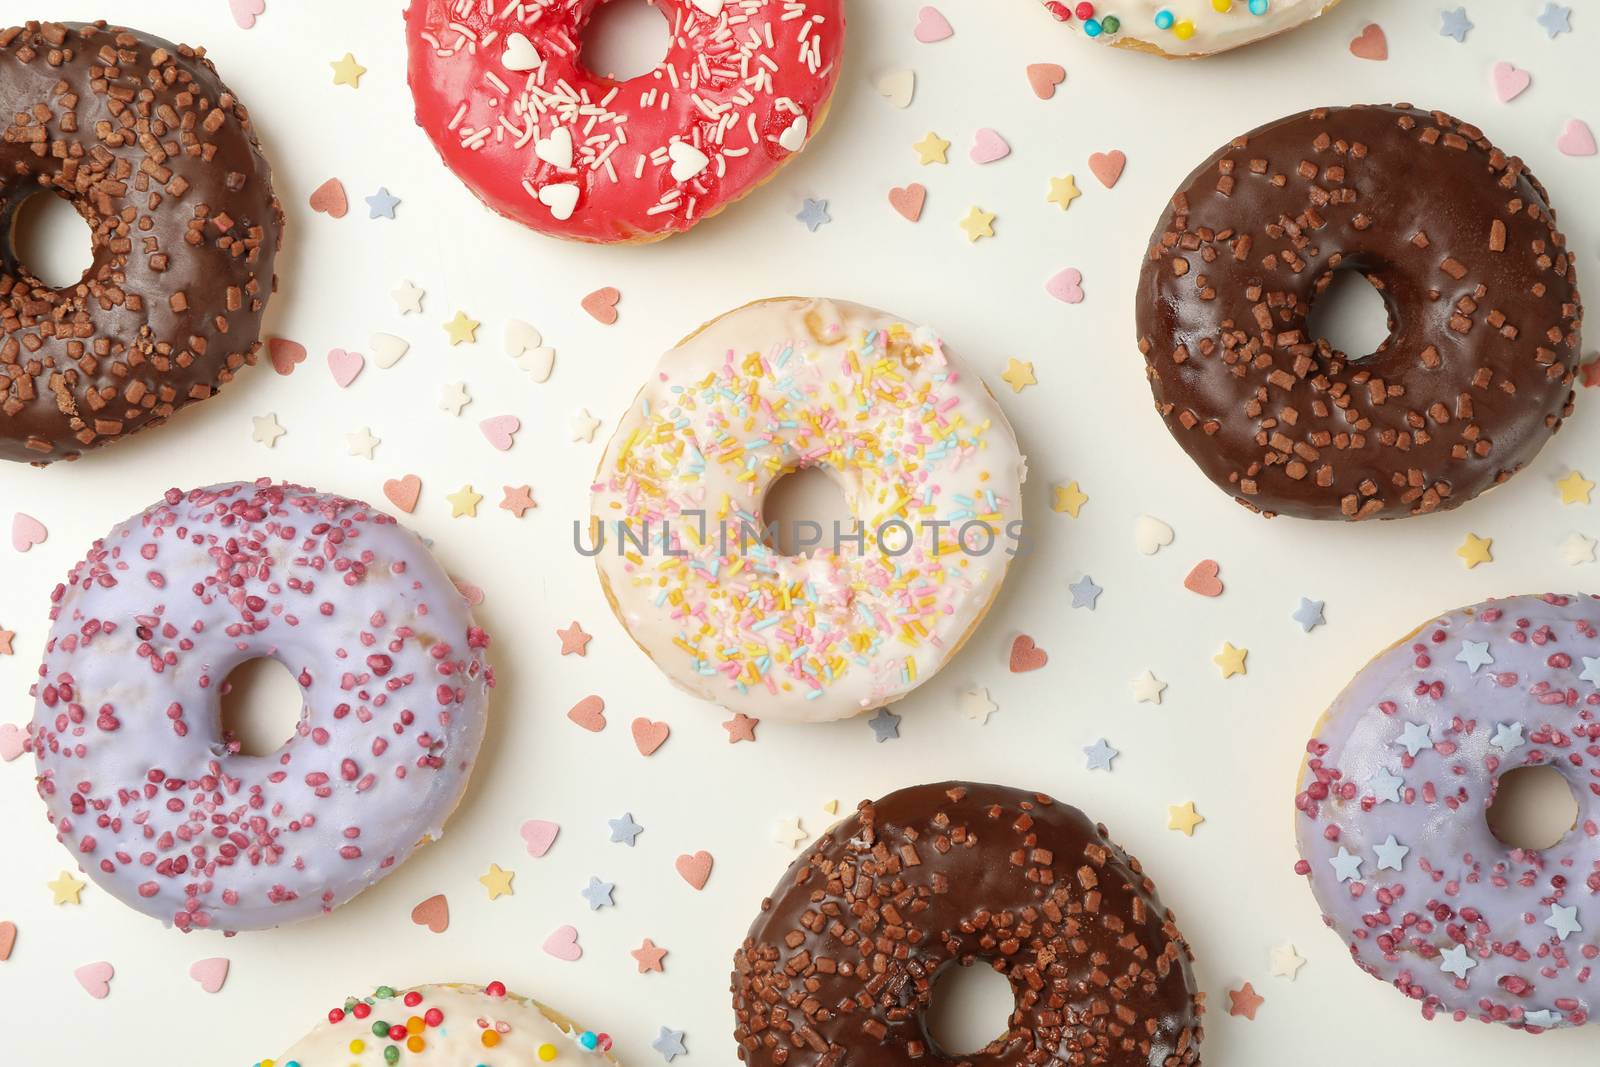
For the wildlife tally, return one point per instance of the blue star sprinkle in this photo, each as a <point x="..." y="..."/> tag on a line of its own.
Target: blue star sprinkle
<point x="670" y="1044"/>
<point x="1100" y="755"/>
<point x="381" y="204"/>
<point x="1386" y="786"/>
<point x="598" y="894"/>
<point x="1456" y="961"/>
<point x="1391" y="854"/>
<point x="624" y="831"/>
<point x="1455" y="24"/>
<point x="1309" y="614"/>
<point x="815" y="214"/>
<point x="1591" y="670"/>
<point x="1564" y="921"/>
<point x="885" y="725"/>
<point x="1556" y="20"/>
<point x="1542" y="1017"/>
<point x="1346" y="864"/>
<point x="1474" y="654"/>
<point x="1415" y="738"/>
<point x="1508" y="737"/>
<point x="1085" y="592"/>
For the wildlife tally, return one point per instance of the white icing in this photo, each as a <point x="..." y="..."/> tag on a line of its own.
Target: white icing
<point x="1214" y="31"/>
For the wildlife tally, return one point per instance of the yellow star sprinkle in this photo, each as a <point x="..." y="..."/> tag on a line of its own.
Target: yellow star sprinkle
<point x="1230" y="660"/>
<point x="464" y="502"/>
<point x="498" y="882"/>
<point x="1070" y="499"/>
<point x="1184" y="818"/>
<point x="932" y="149"/>
<point x="1018" y="375"/>
<point x="347" y="71"/>
<point x="1063" y="191"/>
<point x="978" y="223"/>
<point x="462" y="330"/>
<point x="65" y="889"/>
<point x="1574" y="488"/>
<point x="1475" y="550"/>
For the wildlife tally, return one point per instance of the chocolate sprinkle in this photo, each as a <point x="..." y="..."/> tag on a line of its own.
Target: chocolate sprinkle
<point x="160" y="159"/>
<point x="1484" y="314"/>
<point x="841" y="965"/>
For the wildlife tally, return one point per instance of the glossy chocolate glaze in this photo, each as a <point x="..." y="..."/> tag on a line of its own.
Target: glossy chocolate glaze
<point x="839" y="968"/>
<point x="1459" y="238"/>
<point x="161" y="161"/>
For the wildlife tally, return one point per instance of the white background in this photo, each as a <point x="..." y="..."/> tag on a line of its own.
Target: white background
<point x="1231" y="746"/>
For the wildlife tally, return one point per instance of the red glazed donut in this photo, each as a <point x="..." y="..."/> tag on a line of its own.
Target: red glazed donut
<point x="502" y="91"/>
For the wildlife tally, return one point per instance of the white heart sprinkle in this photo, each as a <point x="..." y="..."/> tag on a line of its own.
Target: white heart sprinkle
<point x="687" y="160"/>
<point x="1150" y="534"/>
<point x="521" y="336"/>
<point x="520" y="53"/>
<point x="556" y="149"/>
<point x="897" y="87"/>
<point x="387" y="349"/>
<point x="538" y="362"/>
<point x="794" y="138"/>
<point x="561" y="199"/>
<point x="710" y="7"/>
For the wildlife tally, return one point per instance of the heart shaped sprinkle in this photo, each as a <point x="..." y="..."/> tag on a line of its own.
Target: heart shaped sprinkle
<point x="556" y="149"/>
<point x="8" y="939"/>
<point x="687" y="161"/>
<point x="649" y="735"/>
<point x="345" y="366"/>
<point x="245" y="12"/>
<point x="932" y="26"/>
<point x="1107" y="166"/>
<point x="988" y="146"/>
<point x="96" y="979"/>
<point x="602" y="305"/>
<point x="1044" y="77"/>
<point x="434" y="913"/>
<point x="1066" y="286"/>
<point x="908" y="200"/>
<point x="793" y="138"/>
<point x="563" y="944"/>
<point x="520" y="54"/>
<point x="1577" y="139"/>
<point x="1203" y="579"/>
<point x="284" y="354"/>
<point x="1151" y="535"/>
<point x="13" y="742"/>
<point x="329" y="199"/>
<point x="561" y="199"/>
<point x="387" y="349"/>
<point x="1371" y="44"/>
<point x="211" y="973"/>
<point x="898" y="87"/>
<point x="27" y="531"/>
<point x="539" y="836"/>
<point x="403" y="492"/>
<point x="695" y="869"/>
<point x="498" y="430"/>
<point x="1026" y="656"/>
<point x="589" y="713"/>
<point x="1509" y="81"/>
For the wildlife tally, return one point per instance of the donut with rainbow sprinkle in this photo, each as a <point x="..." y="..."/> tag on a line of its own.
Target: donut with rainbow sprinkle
<point x="1185" y="29"/>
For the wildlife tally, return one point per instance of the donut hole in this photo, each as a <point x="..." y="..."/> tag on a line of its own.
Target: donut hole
<point x="1532" y="808"/>
<point x="260" y="708"/>
<point x="624" y="39"/>
<point x="50" y="240"/>
<point x="799" y="499"/>
<point x="1350" y="314"/>
<point x="970" y="1008"/>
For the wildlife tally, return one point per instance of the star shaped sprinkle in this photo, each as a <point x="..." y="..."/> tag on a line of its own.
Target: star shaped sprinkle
<point x="1415" y="738"/>
<point x="1455" y="24"/>
<point x="1085" y="592"/>
<point x="462" y="330"/>
<point x="1069" y="498"/>
<point x="1577" y="549"/>
<point x="1591" y="670"/>
<point x="1475" y="550"/>
<point x="267" y="430"/>
<point x="584" y="425"/>
<point x="1456" y="961"/>
<point x="1541" y="1017"/>
<point x="976" y="705"/>
<point x="741" y="728"/>
<point x="454" y="397"/>
<point x="1018" y="375"/>
<point x="1386" y="786"/>
<point x="1099" y="755"/>
<point x="1346" y="864"/>
<point x="1063" y="191"/>
<point x="381" y="204"/>
<point x="649" y="956"/>
<point x="361" y="443"/>
<point x="814" y="214"/>
<point x="1230" y="661"/>
<point x="598" y="894"/>
<point x="464" y="502"/>
<point x="518" y="499"/>
<point x="574" y="642"/>
<point x="1474" y="654"/>
<point x="624" y="831"/>
<point x="6" y="637"/>
<point x="1147" y="688"/>
<point x="1575" y="488"/>
<point x="670" y="1044"/>
<point x="1563" y="920"/>
<point x="1245" y="1001"/>
<point x="932" y="149"/>
<point x="1184" y="818"/>
<point x="407" y="298"/>
<point x="497" y="882"/>
<point x="789" y="832"/>
<point x="978" y="223"/>
<point x="885" y="725"/>
<point x="347" y="71"/>
<point x="65" y="889"/>
<point x="1286" y="962"/>
<point x="1391" y="854"/>
<point x="1309" y="614"/>
<point x="1556" y="20"/>
<point x="1507" y="736"/>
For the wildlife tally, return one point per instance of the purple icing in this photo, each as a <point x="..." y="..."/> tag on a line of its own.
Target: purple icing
<point x="1414" y="748"/>
<point x="160" y="808"/>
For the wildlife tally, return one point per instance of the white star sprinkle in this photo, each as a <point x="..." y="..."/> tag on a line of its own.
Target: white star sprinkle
<point x="1577" y="549"/>
<point x="267" y="430"/>
<point x="408" y="298"/>
<point x="453" y="397"/>
<point x="1386" y="786"/>
<point x="1474" y="654"/>
<point x="1416" y="738"/>
<point x="1508" y="736"/>
<point x="363" y="443"/>
<point x="1456" y="961"/>
<point x="1147" y="688"/>
<point x="1286" y="962"/>
<point x="584" y="425"/>
<point x="1591" y="671"/>
<point x="976" y="705"/>
<point x="1564" y="921"/>
<point x="1391" y="854"/>
<point x="1346" y="864"/>
<point x="789" y="832"/>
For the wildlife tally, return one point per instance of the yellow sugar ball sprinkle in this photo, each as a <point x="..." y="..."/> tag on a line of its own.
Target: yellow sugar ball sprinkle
<point x="357" y="1047"/>
<point x="1184" y="30"/>
<point x="1223" y="6"/>
<point x="415" y="1024"/>
<point x="490" y="1039"/>
<point x="547" y="1052"/>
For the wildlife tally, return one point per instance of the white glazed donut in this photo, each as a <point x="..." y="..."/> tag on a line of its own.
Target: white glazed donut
<point x="158" y="806"/>
<point x="919" y="448"/>
<point x="445" y="1026"/>
<point x="1185" y="29"/>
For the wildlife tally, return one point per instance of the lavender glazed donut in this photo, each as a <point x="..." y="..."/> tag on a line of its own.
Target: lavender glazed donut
<point x="156" y="802"/>
<point x="1392" y="809"/>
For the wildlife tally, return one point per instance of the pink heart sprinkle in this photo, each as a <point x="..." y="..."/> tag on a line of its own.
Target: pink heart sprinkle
<point x="563" y="944"/>
<point x="649" y="736"/>
<point x="210" y="973"/>
<point x="329" y="198"/>
<point x="96" y="979"/>
<point x="498" y="430"/>
<point x="345" y="366"/>
<point x="1066" y="286"/>
<point x="1577" y="139"/>
<point x="932" y="26"/>
<point x="988" y="146"/>
<point x="1509" y="81"/>
<point x="245" y="11"/>
<point x="27" y="531"/>
<point x="1107" y="166"/>
<point x="1371" y="44"/>
<point x="908" y="200"/>
<point x="695" y="869"/>
<point x="12" y="742"/>
<point x="539" y="835"/>
<point x="285" y="354"/>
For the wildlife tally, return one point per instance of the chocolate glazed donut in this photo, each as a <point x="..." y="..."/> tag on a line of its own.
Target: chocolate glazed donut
<point x="840" y="967"/>
<point x="161" y="161"/>
<point x="1461" y="242"/>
